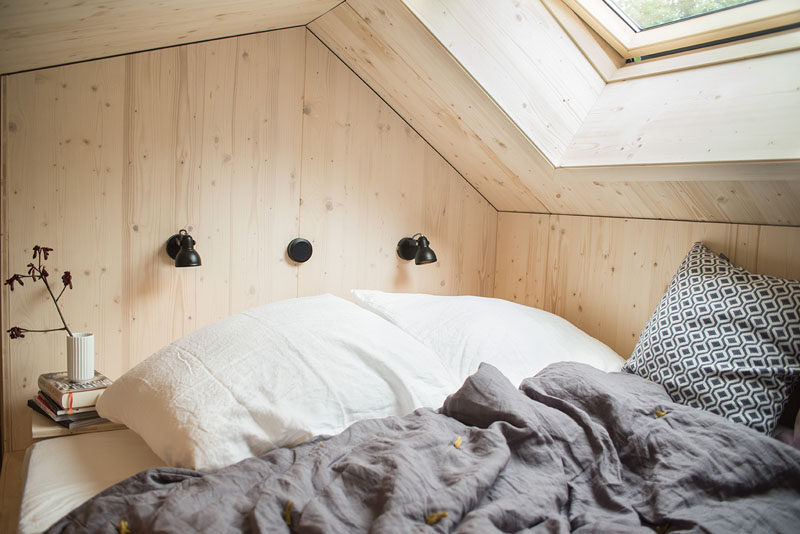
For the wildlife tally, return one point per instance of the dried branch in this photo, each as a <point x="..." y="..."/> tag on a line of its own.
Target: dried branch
<point x="40" y="273"/>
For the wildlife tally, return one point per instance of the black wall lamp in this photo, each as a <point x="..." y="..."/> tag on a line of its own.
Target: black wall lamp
<point x="417" y="248"/>
<point x="180" y="248"/>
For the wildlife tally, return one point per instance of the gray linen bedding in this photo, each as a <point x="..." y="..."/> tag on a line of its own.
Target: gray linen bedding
<point x="574" y="449"/>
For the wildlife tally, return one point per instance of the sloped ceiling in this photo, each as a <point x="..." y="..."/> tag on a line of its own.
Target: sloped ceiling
<point x="504" y="94"/>
<point x="43" y="33"/>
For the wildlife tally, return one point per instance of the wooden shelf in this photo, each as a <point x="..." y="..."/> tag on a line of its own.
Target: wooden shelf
<point x="44" y="428"/>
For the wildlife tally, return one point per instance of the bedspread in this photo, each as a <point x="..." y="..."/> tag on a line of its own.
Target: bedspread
<point x="573" y="450"/>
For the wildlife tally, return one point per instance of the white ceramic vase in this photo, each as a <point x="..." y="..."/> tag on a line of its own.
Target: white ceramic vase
<point x="80" y="357"/>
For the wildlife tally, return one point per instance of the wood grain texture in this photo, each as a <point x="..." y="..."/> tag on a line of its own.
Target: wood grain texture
<point x="105" y="160"/>
<point x="62" y="164"/>
<point x="399" y="59"/>
<point x="600" y="54"/>
<point x="408" y="67"/>
<point x="606" y="275"/>
<point x="766" y="192"/>
<point x="215" y="148"/>
<point x="368" y="181"/>
<point x="522" y="265"/>
<point x="540" y="78"/>
<point x="40" y="33"/>
<point x="739" y="111"/>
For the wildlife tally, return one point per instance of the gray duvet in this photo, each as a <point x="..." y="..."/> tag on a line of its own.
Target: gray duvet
<point x="573" y="450"/>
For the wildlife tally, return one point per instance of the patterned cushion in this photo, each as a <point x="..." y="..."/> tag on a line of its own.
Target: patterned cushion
<point x="724" y="340"/>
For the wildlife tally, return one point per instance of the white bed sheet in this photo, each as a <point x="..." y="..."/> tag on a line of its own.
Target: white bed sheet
<point x="61" y="473"/>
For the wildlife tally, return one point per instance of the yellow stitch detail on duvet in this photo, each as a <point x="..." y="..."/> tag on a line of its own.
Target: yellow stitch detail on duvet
<point x="457" y="444"/>
<point x="432" y="519"/>
<point x="660" y="414"/>
<point x="287" y="513"/>
<point x="123" y="527"/>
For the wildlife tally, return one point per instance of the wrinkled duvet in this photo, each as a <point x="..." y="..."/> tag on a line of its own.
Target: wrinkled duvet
<point x="574" y="449"/>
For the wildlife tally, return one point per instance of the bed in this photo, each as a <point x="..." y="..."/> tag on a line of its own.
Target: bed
<point x="325" y="418"/>
<point x="62" y="473"/>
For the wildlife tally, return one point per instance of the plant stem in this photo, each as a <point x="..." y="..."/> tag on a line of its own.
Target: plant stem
<point x="55" y="301"/>
<point x="48" y="330"/>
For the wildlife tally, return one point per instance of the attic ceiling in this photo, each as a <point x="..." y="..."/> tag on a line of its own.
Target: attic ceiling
<point x="43" y="33"/>
<point x="503" y="93"/>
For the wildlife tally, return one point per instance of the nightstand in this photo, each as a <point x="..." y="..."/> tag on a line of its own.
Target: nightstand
<point x="44" y="428"/>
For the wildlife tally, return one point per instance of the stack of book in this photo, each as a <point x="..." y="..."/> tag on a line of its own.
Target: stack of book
<point x="70" y="404"/>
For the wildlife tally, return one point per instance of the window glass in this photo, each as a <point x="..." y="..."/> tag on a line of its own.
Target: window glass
<point x="645" y="14"/>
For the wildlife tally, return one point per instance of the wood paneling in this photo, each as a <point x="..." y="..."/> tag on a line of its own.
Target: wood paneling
<point x="606" y="275"/>
<point x="395" y="54"/>
<point x="521" y="273"/>
<point x="215" y="135"/>
<point x="62" y="168"/>
<point x="738" y="111"/>
<point x="405" y="63"/>
<point x="369" y="180"/>
<point x="600" y="54"/>
<point x="41" y="33"/>
<point x="768" y="193"/>
<point x="539" y="78"/>
<point x="104" y="160"/>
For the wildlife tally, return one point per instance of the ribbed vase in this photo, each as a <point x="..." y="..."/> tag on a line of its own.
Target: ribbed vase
<point x="80" y="357"/>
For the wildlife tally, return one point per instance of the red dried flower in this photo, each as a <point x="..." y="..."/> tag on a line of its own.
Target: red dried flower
<point x="15" y="278"/>
<point x="15" y="332"/>
<point x="67" y="279"/>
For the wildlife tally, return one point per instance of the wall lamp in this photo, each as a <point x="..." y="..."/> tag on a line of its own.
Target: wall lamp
<point x="417" y="248"/>
<point x="180" y="248"/>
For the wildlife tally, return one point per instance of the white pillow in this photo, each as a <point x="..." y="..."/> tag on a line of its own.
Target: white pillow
<point x="465" y="331"/>
<point x="273" y="376"/>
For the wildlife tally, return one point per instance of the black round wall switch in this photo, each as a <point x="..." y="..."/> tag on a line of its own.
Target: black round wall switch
<point x="299" y="250"/>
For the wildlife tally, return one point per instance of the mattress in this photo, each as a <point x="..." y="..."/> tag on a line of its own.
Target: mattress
<point x="62" y="473"/>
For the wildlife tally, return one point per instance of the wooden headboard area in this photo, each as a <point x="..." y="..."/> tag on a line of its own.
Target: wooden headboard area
<point x="249" y="142"/>
<point x="246" y="142"/>
<point x="606" y="275"/>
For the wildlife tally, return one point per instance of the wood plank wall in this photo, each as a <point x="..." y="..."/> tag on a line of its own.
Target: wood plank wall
<point x="247" y="142"/>
<point x="40" y="33"/>
<point x="606" y="275"/>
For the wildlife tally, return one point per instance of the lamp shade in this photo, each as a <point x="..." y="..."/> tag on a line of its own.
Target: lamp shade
<point x="187" y="255"/>
<point x="425" y="253"/>
<point x="180" y="247"/>
<point x="417" y="248"/>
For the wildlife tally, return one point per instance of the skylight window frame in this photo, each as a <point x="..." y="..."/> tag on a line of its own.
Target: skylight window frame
<point x="735" y="21"/>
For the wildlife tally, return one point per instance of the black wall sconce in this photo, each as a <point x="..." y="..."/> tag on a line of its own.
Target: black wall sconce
<point x="417" y="248"/>
<point x="299" y="250"/>
<point x="180" y="248"/>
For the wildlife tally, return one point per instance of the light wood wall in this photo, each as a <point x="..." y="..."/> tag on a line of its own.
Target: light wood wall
<point x="247" y="143"/>
<point x="750" y="111"/>
<point x="520" y="56"/>
<point x="41" y="33"/>
<point x="510" y="139"/>
<point x="606" y="275"/>
<point x="357" y="200"/>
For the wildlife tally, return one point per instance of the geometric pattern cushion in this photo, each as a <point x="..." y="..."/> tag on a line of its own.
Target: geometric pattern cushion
<point x="724" y="340"/>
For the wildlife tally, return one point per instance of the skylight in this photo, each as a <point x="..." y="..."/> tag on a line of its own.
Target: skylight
<point x="646" y="14"/>
<point x="637" y="28"/>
